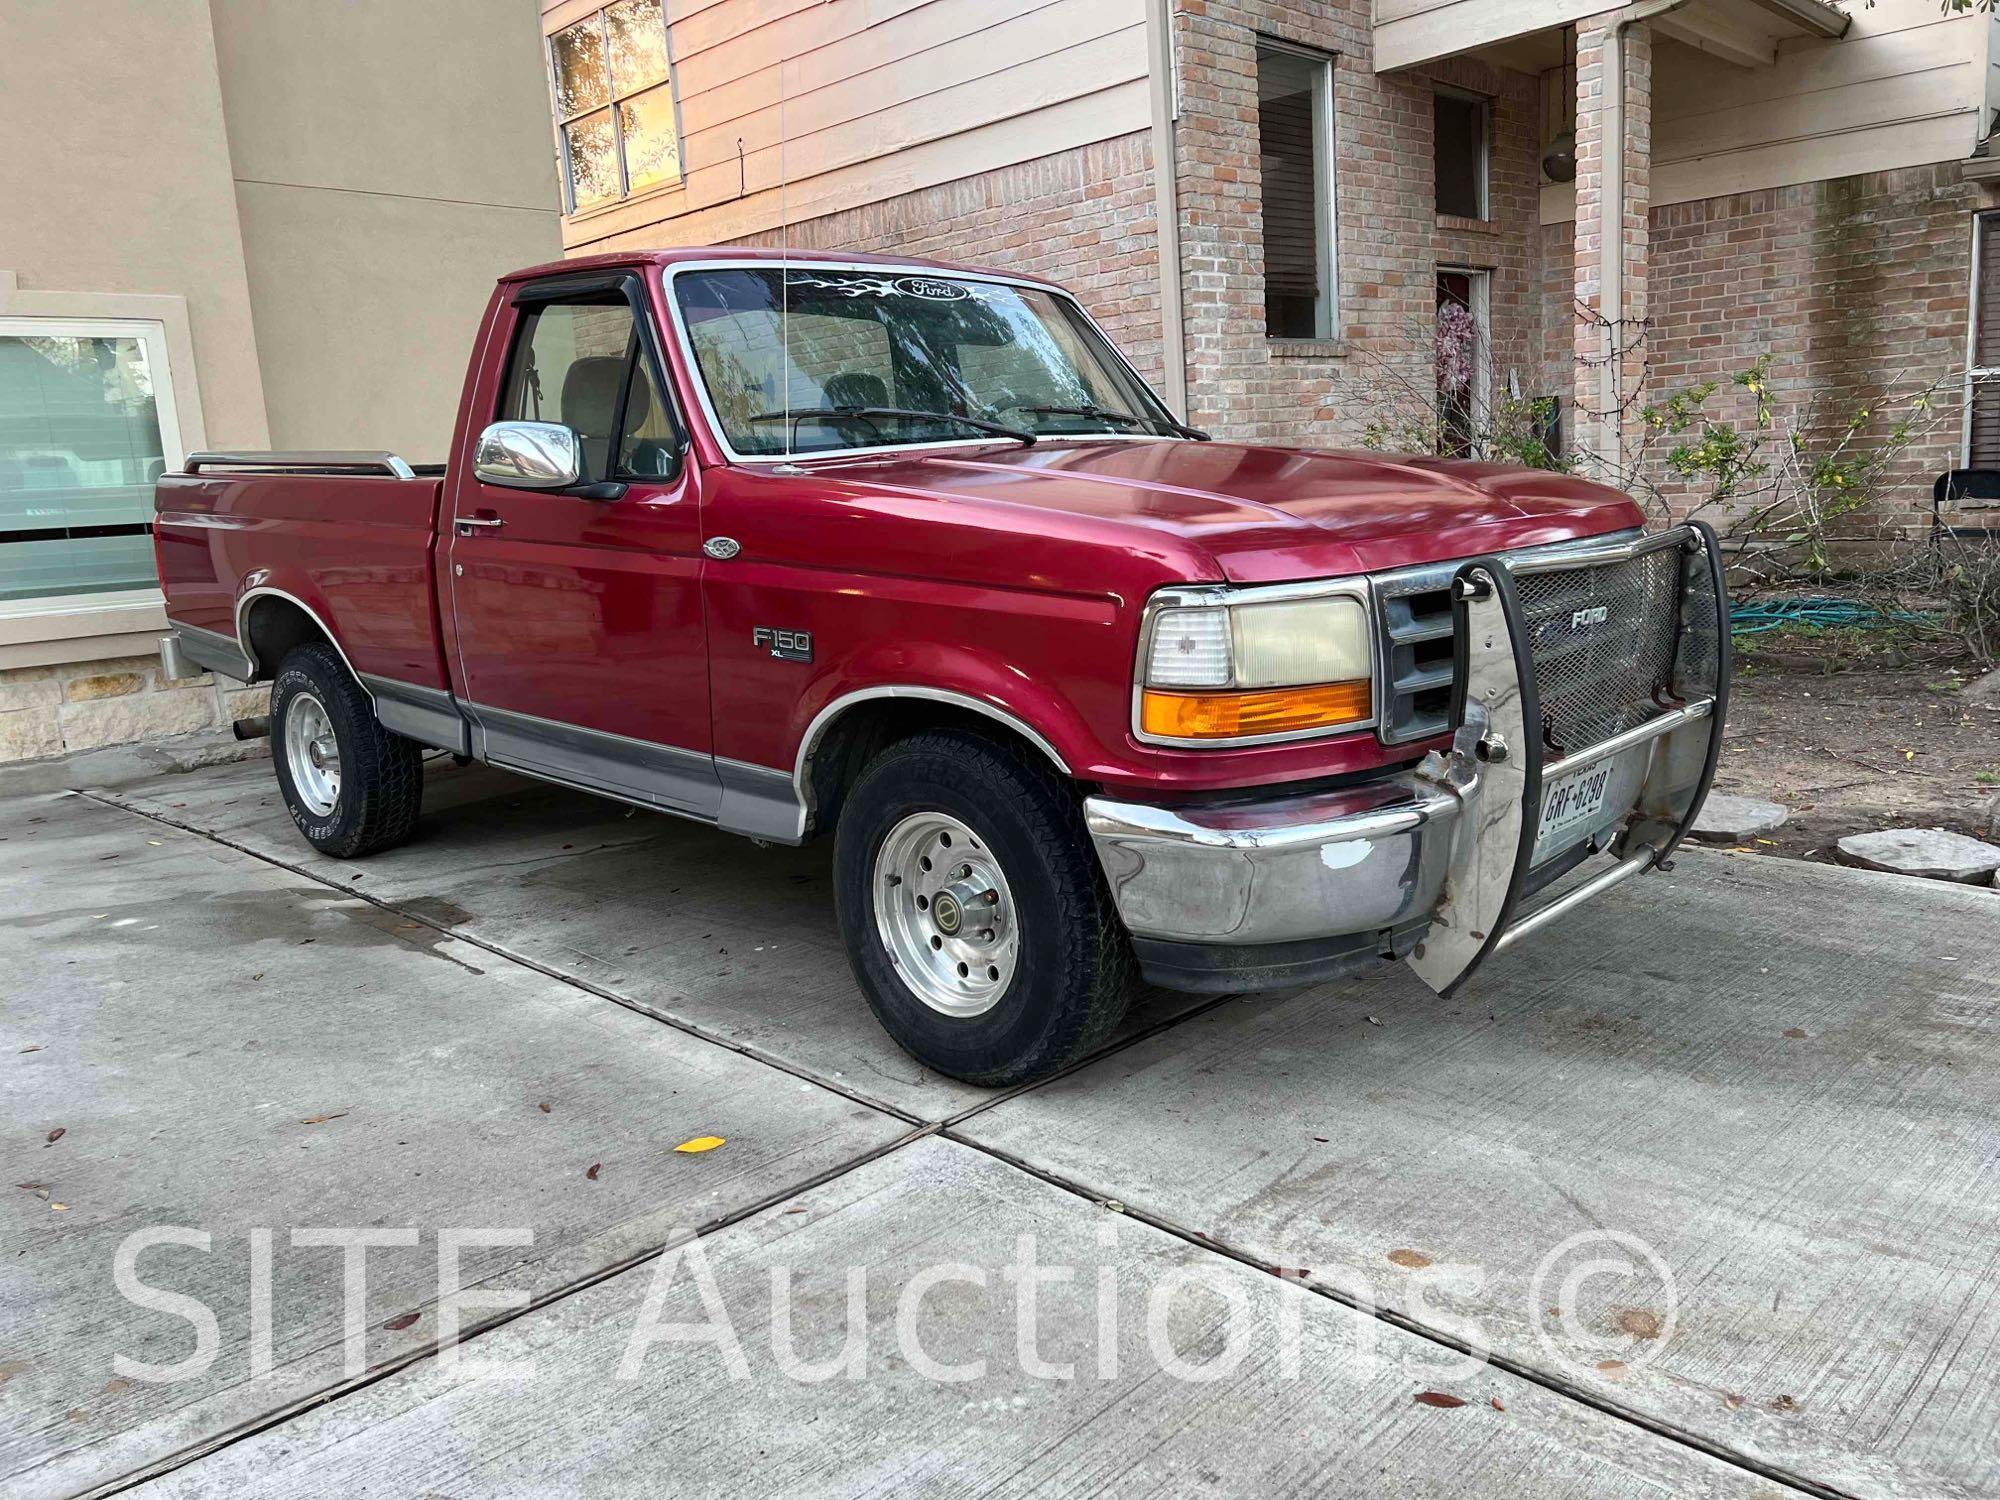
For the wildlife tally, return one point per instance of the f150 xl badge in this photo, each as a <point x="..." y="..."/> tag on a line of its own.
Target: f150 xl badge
<point x="785" y="645"/>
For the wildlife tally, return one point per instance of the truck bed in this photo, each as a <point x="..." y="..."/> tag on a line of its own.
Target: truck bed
<point x="350" y="538"/>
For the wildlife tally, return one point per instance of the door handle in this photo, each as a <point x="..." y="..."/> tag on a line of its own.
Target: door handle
<point x="468" y="524"/>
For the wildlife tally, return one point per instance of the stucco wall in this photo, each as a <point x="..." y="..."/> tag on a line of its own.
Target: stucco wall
<point x="390" y="160"/>
<point x="117" y="178"/>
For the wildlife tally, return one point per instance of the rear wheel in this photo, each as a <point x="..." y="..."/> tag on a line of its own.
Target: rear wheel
<point x="975" y="916"/>
<point x="350" y="785"/>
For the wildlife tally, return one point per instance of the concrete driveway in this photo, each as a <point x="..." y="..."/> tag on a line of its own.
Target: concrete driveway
<point x="1698" y="1195"/>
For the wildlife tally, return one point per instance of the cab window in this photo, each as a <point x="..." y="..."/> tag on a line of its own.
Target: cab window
<point x="580" y="363"/>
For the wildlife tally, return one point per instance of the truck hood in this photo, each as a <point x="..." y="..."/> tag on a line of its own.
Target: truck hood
<point x="1272" y="514"/>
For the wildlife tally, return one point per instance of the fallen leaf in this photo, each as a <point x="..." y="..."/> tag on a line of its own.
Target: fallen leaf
<point x="1797" y="1034"/>
<point x="1321" y="1139"/>
<point x="39" y="1189"/>
<point x="595" y="1168"/>
<point x="1732" y="1401"/>
<point x="1291" y="1273"/>
<point x="36" y="1048"/>
<point x="397" y="1325"/>
<point x="543" y="1106"/>
<point x="1496" y="1404"/>
<point x="1783" y="1403"/>
<point x="1437" y="1398"/>
<point x="113" y="1386"/>
<point x="57" y="1134"/>
<point x="1371" y="1020"/>
<point x="795" y="1210"/>
<point x="1639" y="1322"/>
<point x="60" y="1208"/>
<point x="700" y="1143"/>
<point x="322" y="1119"/>
<point x="1611" y="1369"/>
<point x="1412" y="1260"/>
<point x="9" y="1368"/>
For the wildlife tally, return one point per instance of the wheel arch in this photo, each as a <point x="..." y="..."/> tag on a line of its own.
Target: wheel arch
<point x="270" y="622"/>
<point x="850" y="731"/>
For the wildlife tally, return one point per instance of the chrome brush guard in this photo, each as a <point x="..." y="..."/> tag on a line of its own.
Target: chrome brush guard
<point x="1615" y="658"/>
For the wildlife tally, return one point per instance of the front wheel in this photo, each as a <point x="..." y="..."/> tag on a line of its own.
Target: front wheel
<point x="350" y="785"/>
<point x="975" y="917"/>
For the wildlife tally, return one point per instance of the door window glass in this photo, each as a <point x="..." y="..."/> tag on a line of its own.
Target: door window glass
<point x="569" y="366"/>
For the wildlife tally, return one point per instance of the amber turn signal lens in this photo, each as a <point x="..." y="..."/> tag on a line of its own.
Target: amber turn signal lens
<point x="1228" y="716"/>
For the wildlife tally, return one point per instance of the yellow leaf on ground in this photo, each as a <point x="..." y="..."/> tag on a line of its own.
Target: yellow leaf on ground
<point x="700" y="1143"/>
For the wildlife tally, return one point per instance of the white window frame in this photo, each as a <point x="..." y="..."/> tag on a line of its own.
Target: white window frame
<point x="152" y="334"/>
<point x="1484" y="173"/>
<point x="1983" y="224"/>
<point x="1479" y="283"/>
<point x="1326" y="324"/>
<point x="613" y="98"/>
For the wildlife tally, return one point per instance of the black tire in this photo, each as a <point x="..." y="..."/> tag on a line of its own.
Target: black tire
<point x="1069" y="986"/>
<point x="381" y="774"/>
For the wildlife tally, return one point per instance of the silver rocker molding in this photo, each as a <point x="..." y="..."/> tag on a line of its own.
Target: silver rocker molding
<point x="214" y="651"/>
<point x="662" y="776"/>
<point x="427" y="715"/>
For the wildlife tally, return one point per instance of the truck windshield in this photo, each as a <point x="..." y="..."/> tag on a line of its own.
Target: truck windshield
<point x="812" y="360"/>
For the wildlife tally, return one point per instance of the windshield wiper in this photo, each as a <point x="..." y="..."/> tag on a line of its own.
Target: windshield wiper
<point x="1091" y="413"/>
<point x="1116" y="418"/>
<point x="867" y="413"/>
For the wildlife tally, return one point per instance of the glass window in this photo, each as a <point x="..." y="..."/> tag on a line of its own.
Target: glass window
<point x="570" y="365"/>
<point x="803" y="360"/>
<point x="1460" y="142"/>
<point x="86" y="427"/>
<point x="614" y="103"/>
<point x="1295" y="157"/>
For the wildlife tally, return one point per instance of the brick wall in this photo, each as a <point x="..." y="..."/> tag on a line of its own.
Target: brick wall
<point x="1390" y="239"/>
<point x="1082" y="217"/>
<point x="1850" y="285"/>
<point x="86" y="705"/>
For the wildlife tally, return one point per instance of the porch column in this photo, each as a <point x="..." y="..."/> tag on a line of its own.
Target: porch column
<point x="1614" y="157"/>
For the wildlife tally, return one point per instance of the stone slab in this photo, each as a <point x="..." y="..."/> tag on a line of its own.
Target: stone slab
<point x="1932" y="853"/>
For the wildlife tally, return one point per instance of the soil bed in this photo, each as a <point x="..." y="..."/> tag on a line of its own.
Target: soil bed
<point x="1851" y="736"/>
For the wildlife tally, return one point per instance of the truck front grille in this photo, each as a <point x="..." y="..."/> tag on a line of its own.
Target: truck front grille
<point x="1417" y="653"/>
<point x="1602" y="640"/>
<point x="1413" y="607"/>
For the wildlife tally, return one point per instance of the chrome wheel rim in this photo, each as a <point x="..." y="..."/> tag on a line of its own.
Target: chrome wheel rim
<point x="312" y="754"/>
<point x="945" y="914"/>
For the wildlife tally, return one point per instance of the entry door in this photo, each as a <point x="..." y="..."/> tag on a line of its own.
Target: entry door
<point x="578" y="620"/>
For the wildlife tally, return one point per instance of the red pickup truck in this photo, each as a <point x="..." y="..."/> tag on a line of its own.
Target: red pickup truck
<point x="907" y="555"/>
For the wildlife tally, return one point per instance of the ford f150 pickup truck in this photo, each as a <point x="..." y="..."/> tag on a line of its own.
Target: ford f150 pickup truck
<point x="907" y="555"/>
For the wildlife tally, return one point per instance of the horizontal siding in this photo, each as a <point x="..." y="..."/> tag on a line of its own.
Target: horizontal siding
<point x="1905" y="87"/>
<point x="792" y="108"/>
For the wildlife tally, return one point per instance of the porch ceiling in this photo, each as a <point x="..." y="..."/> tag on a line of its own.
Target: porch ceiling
<point x="1527" y="34"/>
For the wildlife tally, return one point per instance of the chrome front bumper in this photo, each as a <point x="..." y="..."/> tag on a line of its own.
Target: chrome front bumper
<point x="1287" y="891"/>
<point x="1435" y="863"/>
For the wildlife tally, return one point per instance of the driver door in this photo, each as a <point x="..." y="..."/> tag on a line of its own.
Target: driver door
<point x="582" y="651"/>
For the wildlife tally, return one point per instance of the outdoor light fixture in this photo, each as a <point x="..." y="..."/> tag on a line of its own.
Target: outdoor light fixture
<point x="1559" y="160"/>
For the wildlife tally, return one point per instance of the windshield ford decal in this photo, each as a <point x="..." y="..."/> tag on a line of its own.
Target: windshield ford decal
<point x="928" y="288"/>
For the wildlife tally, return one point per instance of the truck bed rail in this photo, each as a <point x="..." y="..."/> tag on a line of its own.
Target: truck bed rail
<point x="329" y="462"/>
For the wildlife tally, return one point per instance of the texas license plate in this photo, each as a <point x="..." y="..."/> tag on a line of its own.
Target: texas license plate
<point x="1572" y="802"/>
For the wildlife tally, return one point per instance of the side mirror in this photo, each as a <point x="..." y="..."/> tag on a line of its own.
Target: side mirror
<point x="529" y="456"/>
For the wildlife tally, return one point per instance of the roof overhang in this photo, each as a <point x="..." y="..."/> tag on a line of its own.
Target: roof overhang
<point x="1745" y="33"/>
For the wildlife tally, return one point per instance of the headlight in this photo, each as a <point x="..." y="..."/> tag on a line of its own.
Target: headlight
<point x="1220" y="669"/>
